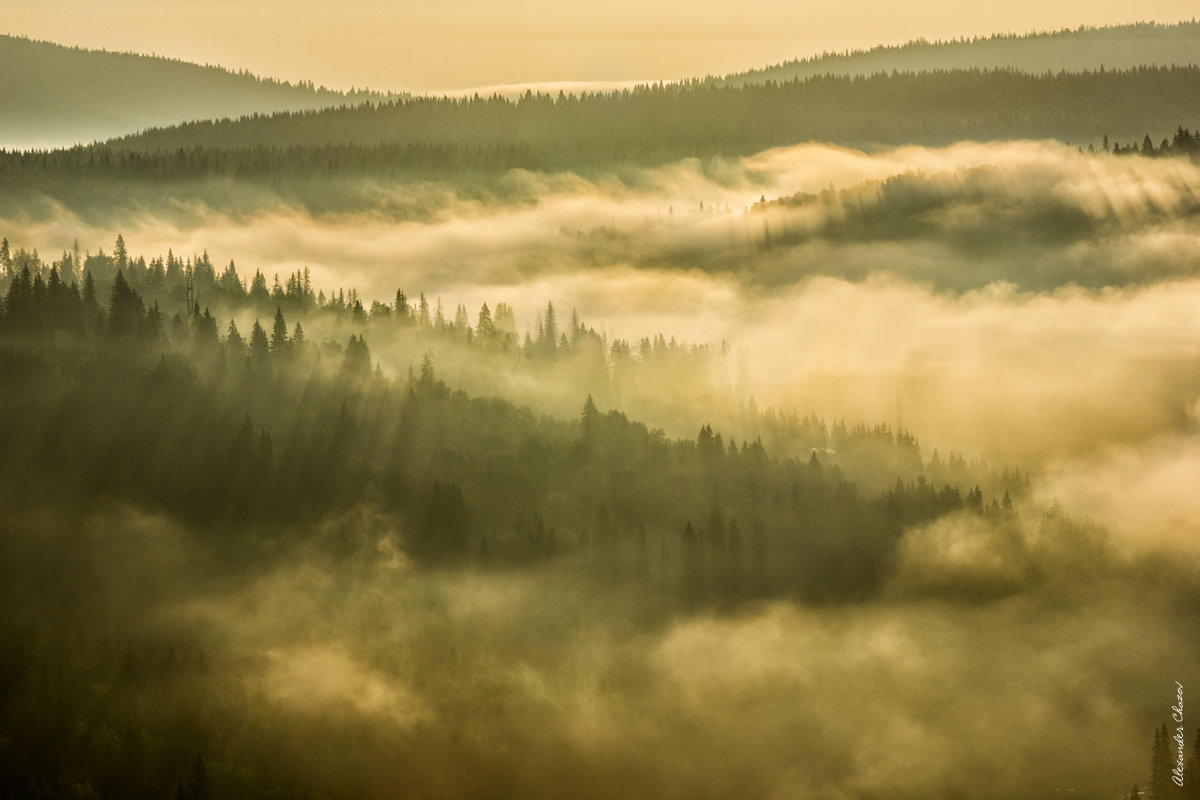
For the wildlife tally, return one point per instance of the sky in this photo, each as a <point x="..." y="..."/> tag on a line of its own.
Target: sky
<point x="441" y="45"/>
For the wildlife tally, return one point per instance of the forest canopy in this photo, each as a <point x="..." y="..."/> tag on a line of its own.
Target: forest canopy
<point x="668" y="121"/>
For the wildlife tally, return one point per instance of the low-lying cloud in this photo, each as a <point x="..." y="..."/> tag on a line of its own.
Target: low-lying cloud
<point x="977" y="674"/>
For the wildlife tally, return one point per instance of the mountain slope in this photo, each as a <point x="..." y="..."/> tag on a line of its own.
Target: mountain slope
<point x="54" y="96"/>
<point x="670" y="122"/>
<point x="1118" y="47"/>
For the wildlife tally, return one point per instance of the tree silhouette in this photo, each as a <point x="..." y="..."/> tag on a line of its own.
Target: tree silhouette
<point x="279" y="344"/>
<point x="234" y="342"/>
<point x="1191" y="772"/>
<point x="125" y="309"/>
<point x="1161" y="786"/>
<point x="120" y="254"/>
<point x="260" y="347"/>
<point x="485" y="327"/>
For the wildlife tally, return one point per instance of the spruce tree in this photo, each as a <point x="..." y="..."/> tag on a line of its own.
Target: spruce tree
<point x="1191" y="772"/>
<point x="125" y="309"/>
<point x="260" y="348"/>
<point x="298" y="340"/>
<point x="92" y="315"/>
<point x="1160" y="765"/>
<point x="590" y="420"/>
<point x="233" y="339"/>
<point x="485" y="326"/>
<point x="279" y="335"/>
<point x="120" y="254"/>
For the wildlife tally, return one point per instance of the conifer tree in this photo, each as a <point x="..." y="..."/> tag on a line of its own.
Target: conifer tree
<point x="153" y="324"/>
<point x="259" y="295"/>
<point x="427" y="373"/>
<point x="423" y="317"/>
<point x="298" y="340"/>
<point x="125" y="309"/>
<point x="1191" y="772"/>
<point x="485" y="326"/>
<point x="260" y="347"/>
<point x="19" y="299"/>
<point x="590" y="423"/>
<point x="1160" y="765"/>
<point x="279" y="335"/>
<point x="92" y="315"/>
<point x="358" y="356"/>
<point x="549" y="337"/>
<point x="233" y="339"/>
<point x="120" y="254"/>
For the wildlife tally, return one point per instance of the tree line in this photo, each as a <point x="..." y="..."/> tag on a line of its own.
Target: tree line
<point x="649" y="124"/>
<point x="274" y="426"/>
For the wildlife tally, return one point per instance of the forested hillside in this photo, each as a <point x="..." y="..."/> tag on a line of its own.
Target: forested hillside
<point x="666" y="122"/>
<point x="1117" y="47"/>
<point x="55" y="96"/>
<point x="253" y="444"/>
<point x="215" y="540"/>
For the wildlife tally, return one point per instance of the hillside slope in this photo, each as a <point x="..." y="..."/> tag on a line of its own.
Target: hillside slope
<point x="1117" y="47"/>
<point x="656" y="123"/>
<point x="55" y="96"/>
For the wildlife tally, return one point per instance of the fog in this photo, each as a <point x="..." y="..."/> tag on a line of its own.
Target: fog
<point x="1039" y="215"/>
<point x="999" y="300"/>
<point x="1021" y="304"/>
<point x="978" y="673"/>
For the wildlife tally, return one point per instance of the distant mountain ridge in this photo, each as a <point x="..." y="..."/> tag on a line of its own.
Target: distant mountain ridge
<point x="53" y="96"/>
<point x="1070" y="50"/>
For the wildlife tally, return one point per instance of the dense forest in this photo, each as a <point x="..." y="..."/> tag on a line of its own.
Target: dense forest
<point x="410" y="158"/>
<point x="137" y="407"/>
<point x="55" y="96"/>
<point x="1067" y="50"/>
<point x="667" y="122"/>
<point x="247" y="440"/>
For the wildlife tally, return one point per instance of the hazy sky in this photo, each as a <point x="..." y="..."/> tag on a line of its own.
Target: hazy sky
<point x="447" y="44"/>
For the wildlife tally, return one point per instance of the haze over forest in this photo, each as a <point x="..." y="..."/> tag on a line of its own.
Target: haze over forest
<point x="55" y="96"/>
<point x="827" y="431"/>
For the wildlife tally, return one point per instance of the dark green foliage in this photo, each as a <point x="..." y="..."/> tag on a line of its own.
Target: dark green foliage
<point x="260" y="348"/>
<point x="125" y="309"/>
<point x="654" y="123"/>
<point x="175" y="420"/>
<point x="280" y="344"/>
<point x="442" y="137"/>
